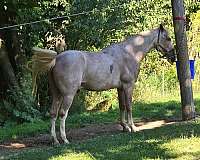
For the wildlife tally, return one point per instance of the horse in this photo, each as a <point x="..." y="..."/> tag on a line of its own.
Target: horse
<point x="116" y="66"/>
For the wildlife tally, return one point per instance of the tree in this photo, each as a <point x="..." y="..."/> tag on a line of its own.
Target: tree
<point x="188" y="109"/>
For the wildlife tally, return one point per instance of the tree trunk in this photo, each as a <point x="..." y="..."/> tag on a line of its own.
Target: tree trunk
<point x="9" y="48"/>
<point x="6" y="67"/>
<point x="188" y="109"/>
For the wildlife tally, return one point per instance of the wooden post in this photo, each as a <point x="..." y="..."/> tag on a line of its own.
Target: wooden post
<point x="188" y="109"/>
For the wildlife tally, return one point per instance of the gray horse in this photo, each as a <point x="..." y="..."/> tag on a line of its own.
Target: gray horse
<point x="116" y="66"/>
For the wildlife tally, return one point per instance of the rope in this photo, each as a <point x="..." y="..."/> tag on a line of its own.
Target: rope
<point x="61" y="17"/>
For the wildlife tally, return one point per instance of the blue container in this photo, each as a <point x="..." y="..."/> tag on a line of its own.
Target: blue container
<point x="192" y="69"/>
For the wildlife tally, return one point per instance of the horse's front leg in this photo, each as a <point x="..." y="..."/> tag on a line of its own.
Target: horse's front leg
<point x="128" y="99"/>
<point x="122" y="107"/>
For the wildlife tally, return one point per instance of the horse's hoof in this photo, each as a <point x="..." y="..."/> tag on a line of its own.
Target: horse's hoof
<point x="56" y="143"/>
<point x="134" y="128"/>
<point x="126" y="128"/>
<point x="66" y="141"/>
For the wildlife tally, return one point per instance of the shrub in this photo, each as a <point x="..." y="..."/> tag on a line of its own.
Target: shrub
<point x="19" y="105"/>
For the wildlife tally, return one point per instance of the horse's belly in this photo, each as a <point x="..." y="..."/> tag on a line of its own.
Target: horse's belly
<point x="99" y="84"/>
<point x="100" y="87"/>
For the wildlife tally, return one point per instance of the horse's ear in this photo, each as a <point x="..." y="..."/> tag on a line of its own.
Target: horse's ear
<point x="161" y="27"/>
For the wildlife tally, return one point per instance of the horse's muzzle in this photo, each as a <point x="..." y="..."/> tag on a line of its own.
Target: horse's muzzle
<point x="170" y="56"/>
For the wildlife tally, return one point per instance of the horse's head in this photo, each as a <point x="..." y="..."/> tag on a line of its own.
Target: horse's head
<point x="164" y="45"/>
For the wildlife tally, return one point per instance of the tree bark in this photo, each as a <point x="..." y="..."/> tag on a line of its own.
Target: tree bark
<point x="9" y="48"/>
<point x="188" y="109"/>
<point x="6" y="67"/>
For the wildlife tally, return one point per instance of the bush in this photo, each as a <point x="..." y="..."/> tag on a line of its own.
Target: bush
<point x="95" y="100"/>
<point x="19" y="104"/>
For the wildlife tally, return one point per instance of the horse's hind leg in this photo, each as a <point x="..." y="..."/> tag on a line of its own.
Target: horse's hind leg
<point x="57" y="100"/>
<point x="63" y="112"/>
<point x="54" y="112"/>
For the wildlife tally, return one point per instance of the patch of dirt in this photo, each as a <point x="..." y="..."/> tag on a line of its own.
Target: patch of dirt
<point x="73" y="135"/>
<point x="78" y="134"/>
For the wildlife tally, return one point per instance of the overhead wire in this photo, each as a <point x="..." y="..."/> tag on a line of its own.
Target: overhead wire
<point x="61" y="17"/>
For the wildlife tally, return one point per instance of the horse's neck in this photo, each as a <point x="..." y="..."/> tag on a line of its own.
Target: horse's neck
<point x="141" y="44"/>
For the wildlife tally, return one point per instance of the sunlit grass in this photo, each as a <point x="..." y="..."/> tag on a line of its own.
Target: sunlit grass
<point x="183" y="148"/>
<point x="74" y="156"/>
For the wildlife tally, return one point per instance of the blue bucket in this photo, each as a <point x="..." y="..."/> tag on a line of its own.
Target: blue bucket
<point x="192" y="69"/>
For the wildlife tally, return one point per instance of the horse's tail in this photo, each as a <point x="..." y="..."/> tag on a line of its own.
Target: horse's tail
<point x="43" y="60"/>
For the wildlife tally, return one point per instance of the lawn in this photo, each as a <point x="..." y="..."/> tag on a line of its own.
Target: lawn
<point x="173" y="141"/>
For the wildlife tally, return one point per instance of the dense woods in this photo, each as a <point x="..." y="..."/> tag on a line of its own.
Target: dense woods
<point x="85" y="25"/>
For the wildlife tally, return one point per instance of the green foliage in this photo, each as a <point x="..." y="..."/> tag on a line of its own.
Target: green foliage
<point x="19" y="105"/>
<point x="194" y="34"/>
<point x="92" y="99"/>
<point x="79" y="103"/>
<point x="108" y="22"/>
<point x="43" y="94"/>
<point x="194" y="46"/>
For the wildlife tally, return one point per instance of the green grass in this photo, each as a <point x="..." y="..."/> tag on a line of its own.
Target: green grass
<point x="175" y="141"/>
<point x="23" y="130"/>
